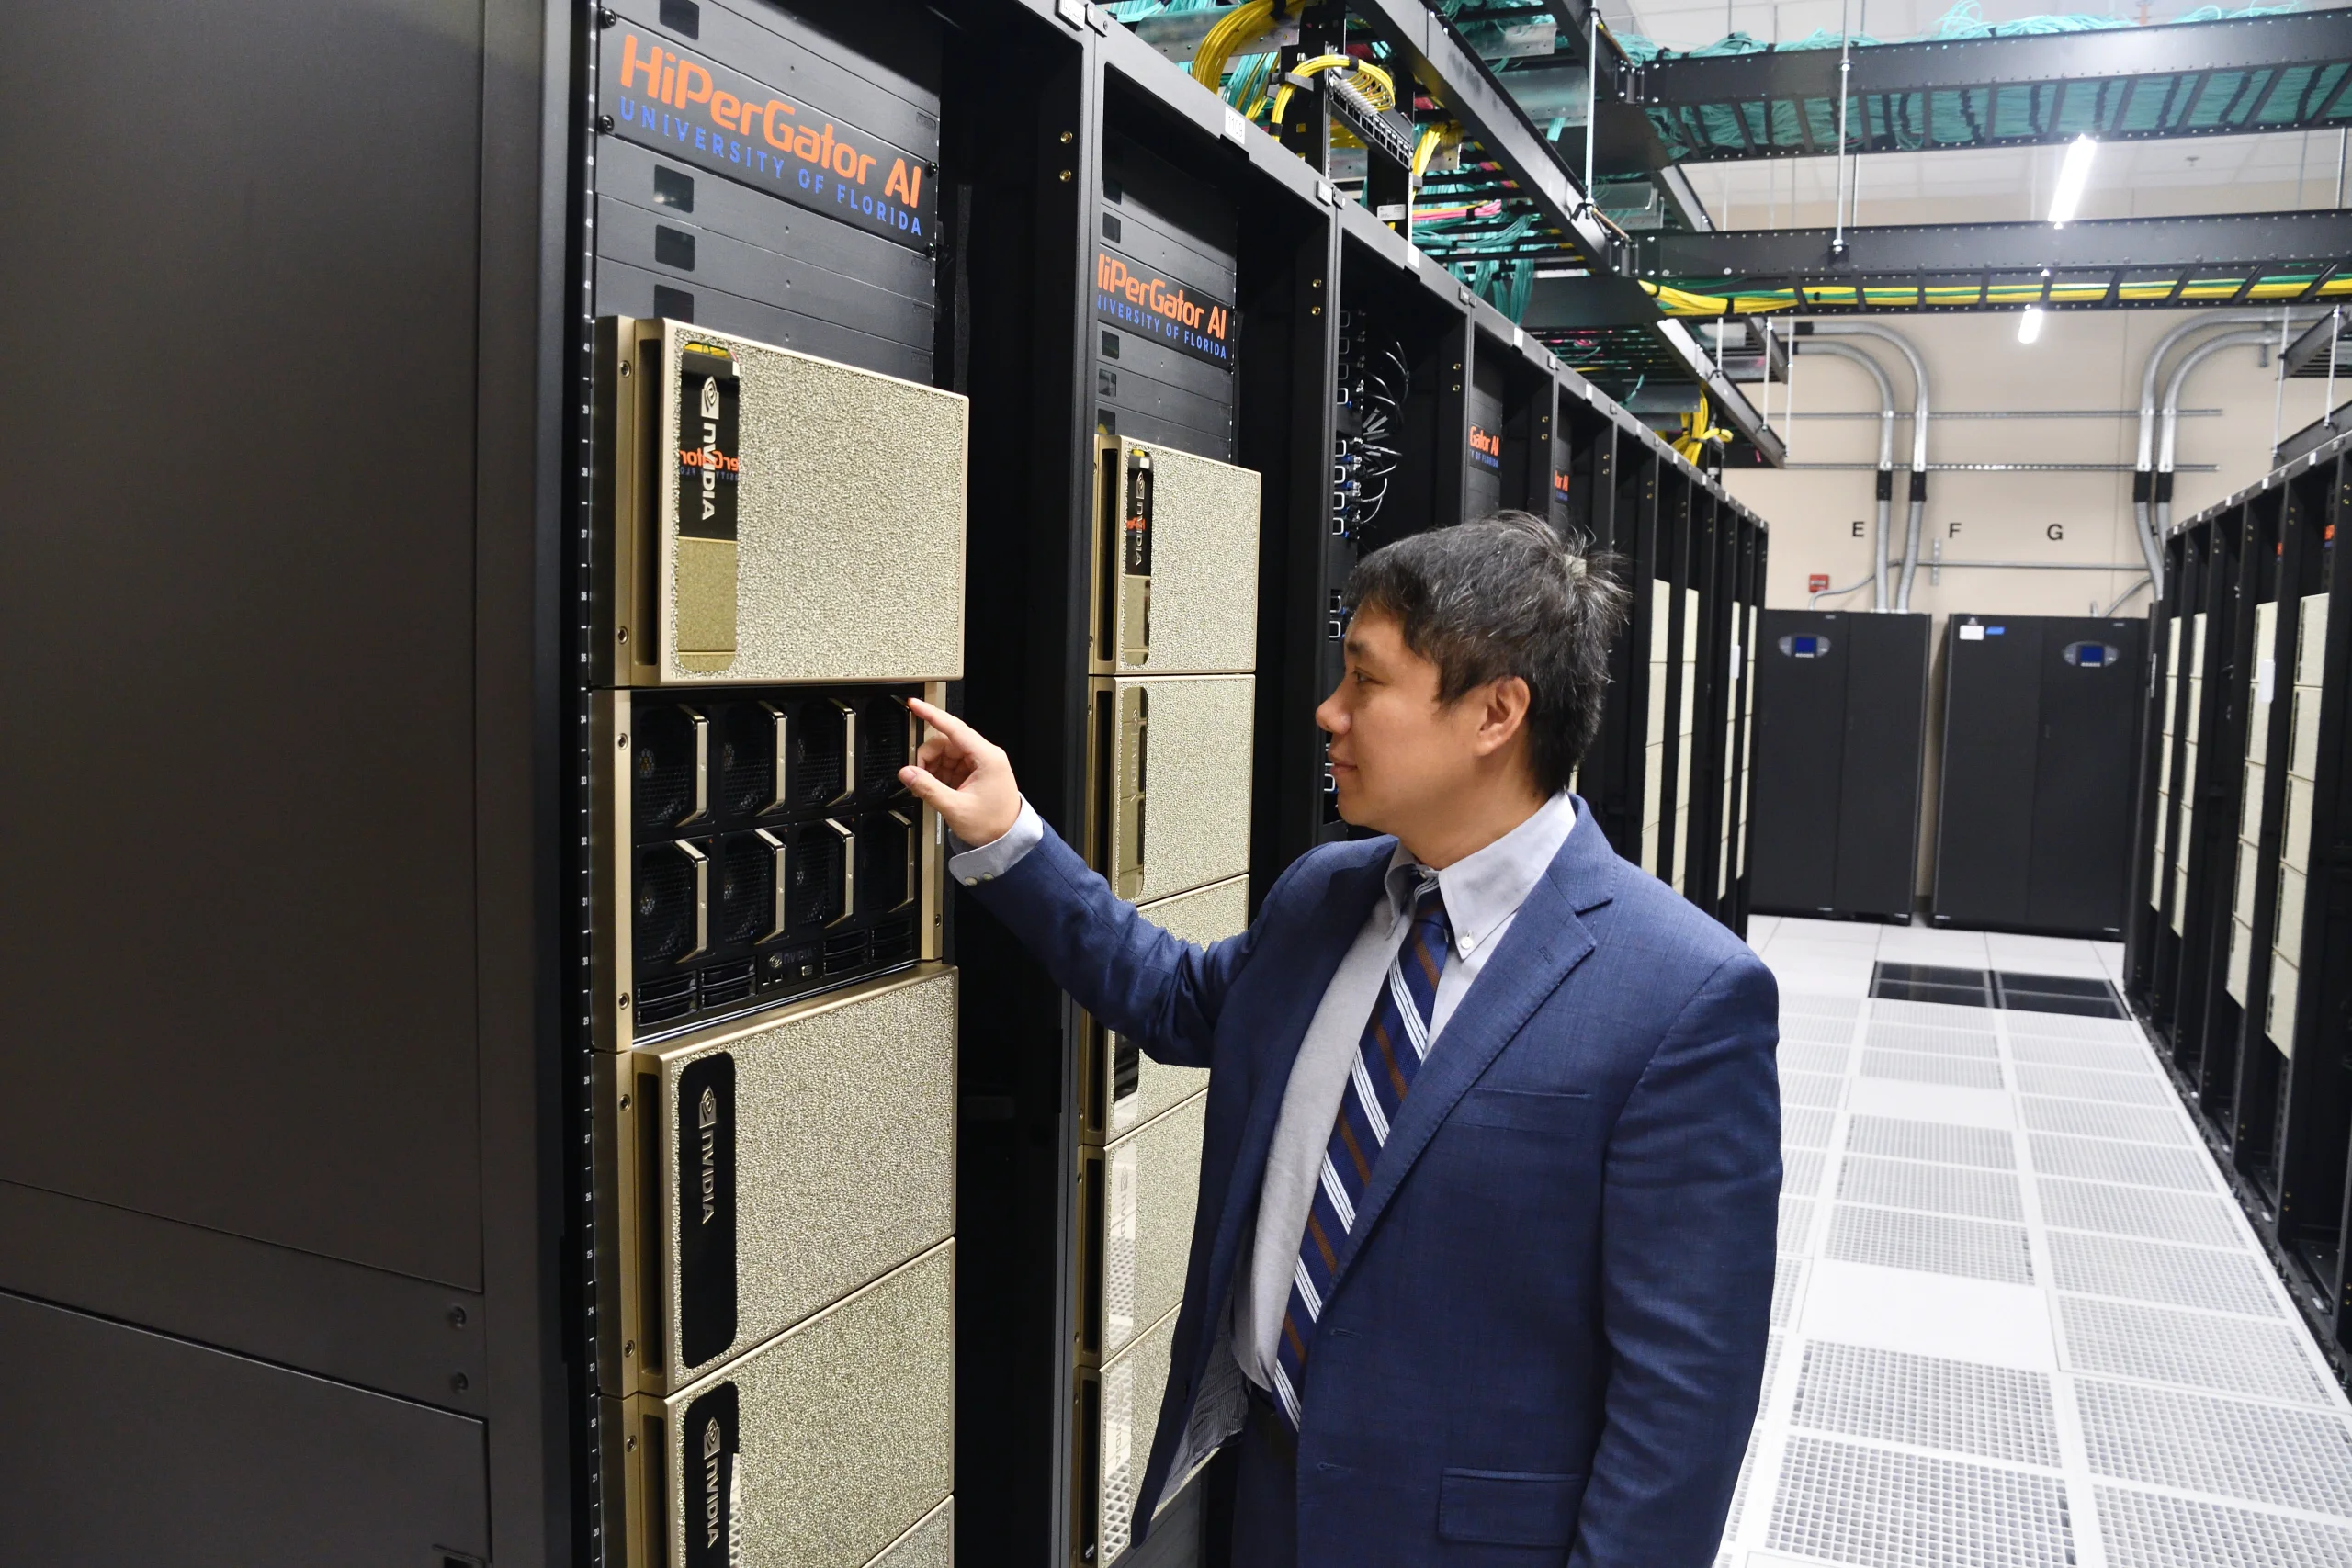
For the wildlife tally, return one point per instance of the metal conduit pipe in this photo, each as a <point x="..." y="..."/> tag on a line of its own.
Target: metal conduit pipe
<point x="2144" y="481"/>
<point x="1885" y="456"/>
<point x="1918" y="435"/>
<point x="2189" y="362"/>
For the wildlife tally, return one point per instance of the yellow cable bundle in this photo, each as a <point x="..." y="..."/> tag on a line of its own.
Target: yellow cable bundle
<point x="1425" y="147"/>
<point x="1377" y="86"/>
<point x="1379" y="89"/>
<point x="1242" y="21"/>
<point x="1698" y="429"/>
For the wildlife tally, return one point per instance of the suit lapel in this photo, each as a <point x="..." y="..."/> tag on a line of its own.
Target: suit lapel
<point x="1324" y="942"/>
<point x="1546" y="940"/>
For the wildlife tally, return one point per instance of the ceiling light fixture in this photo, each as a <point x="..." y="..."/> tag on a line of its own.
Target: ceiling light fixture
<point x="2030" y="324"/>
<point x="2073" y="175"/>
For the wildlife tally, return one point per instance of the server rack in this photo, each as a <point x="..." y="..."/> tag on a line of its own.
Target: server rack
<point x="1561" y="499"/>
<point x="2239" y="922"/>
<point x="1735" y="894"/>
<point x="562" y="200"/>
<point x="2054" y="700"/>
<point x="1842" y="703"/>
<point x="1509" y="412"/>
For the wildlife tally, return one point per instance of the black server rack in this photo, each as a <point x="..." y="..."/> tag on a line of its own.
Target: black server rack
<point x="1482" y="456"/>
<point x="1840" y="766"/>
<point x="1739" y="872"/>
<point x="458" y="1285"/>
<point x="1528" y="420"/>
<point x="1616" y="480"/>
<point x="1560" y="497"/>
<point x="807" y="213"/>
<point x="2195" y="622"/>
<point x="2041" y="728"/>
<point x="2239" y="935"/>
<point x="1168" y="331"/>
<point x="284" y="1192"/>
<point x="1509" y="406"/>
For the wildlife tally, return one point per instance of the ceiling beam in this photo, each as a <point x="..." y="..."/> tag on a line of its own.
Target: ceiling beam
<point x="1493" y="118"/>
<point x="2228" y="244"/>
<point x="2276" y="47"/>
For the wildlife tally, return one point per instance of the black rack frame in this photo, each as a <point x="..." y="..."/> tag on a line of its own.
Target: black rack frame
<point x="2278" y="1121"/>
<point x="1017" y="172"/>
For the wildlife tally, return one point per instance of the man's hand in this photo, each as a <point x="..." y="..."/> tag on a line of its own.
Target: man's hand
<point x="964" y="777"/>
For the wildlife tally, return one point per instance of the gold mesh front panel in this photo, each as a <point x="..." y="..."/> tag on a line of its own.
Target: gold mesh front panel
<point x="1134" y="1382"/>
<point x="766" y="1170"/>
<point x="827" y="544"/>
<point x="822" y="1448"/>
<point x="930" y="1544"/>
<point x="1176" y="562"/>
<point x="1175" y="760"/>
<point x="1129" y="1089"/>
<point x="1152" y="1187"/>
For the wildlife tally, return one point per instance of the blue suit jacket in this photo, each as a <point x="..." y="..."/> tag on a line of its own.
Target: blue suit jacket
<point x="1547" y="1331"/>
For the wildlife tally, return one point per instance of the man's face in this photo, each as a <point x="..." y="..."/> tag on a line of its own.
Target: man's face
<point x="1397" y="755"/>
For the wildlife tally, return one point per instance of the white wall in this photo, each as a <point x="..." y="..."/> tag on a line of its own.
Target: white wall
<point x="2083" y="361"/>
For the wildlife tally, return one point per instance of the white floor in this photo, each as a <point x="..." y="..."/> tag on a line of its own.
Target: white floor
<point x="2018" y="1320"/>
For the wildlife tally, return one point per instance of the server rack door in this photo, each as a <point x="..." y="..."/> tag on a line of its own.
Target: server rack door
<point x="213" y="1459"/>
<point x="1485" y="412"/>
<point x="1799" y="768"/>
<point x="2092" y="676"/>
<point x="1614" y="776"/>
<point x="2314" y="937"/>
<point x="1885" y="755"/>
<point x="1992" y="727"/>
<point x="1565" y="500"/>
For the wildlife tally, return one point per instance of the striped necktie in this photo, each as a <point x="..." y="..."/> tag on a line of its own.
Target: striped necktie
<point x="1394" y="1043"/>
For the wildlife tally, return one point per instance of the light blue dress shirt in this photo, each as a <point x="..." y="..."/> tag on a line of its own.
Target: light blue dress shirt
<point x="1483" y="892"/>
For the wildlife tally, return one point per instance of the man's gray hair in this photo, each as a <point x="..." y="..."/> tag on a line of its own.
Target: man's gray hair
<point x="1506" y="595"/>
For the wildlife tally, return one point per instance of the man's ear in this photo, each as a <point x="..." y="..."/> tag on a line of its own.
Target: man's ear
<point x="1502" y="715"/>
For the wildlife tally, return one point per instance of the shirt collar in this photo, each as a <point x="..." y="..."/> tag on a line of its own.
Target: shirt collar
<point x="1485" y="888"/>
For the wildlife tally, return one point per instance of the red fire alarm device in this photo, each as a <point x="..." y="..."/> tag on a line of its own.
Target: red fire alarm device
<point x="1817" y="583"/>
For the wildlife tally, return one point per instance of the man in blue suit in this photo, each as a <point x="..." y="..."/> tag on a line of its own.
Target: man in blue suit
<point x="1489" y="1186"/>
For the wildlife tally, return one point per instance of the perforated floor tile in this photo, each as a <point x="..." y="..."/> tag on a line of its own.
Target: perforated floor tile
<point x="1943" y="1189"/>
<point x="1823" y="1090"/>
<point x="2233" y="1355"/>
<point x="1816" y="1031"/>
<point x="2123" y="1057"/>
<point x="2078" y="1083"/>
<point x="1806" y="1129"/>
<point x="2148" y="1529"/>
<point x="2185" y="1217"/>
<point x="2159" y="1272"/>
<point x="1931" y="1244"/>
<point x="1933" y="1041"/>
<point x="1788" y="1290"/>
<point x="1904" y="1139"/>
<point x="1928" y="1402"/>
<point x="2259" y="1453"/>
<point x="2091" y="1119"/>
<point x="2144" y="1165"/>
<point x="2030" y="1288"/>
<point x="1798" y="1056"/>
<point x="1884" y="1509"/>
<point x="2066" y="1026"/>
<point x="1796" y="1226"/>
<point x="1774" y="1343"/>
<point x="1756" y="1442"/>
<point x="1979" y="1019"/>
<point x="1916" y="1066"/>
